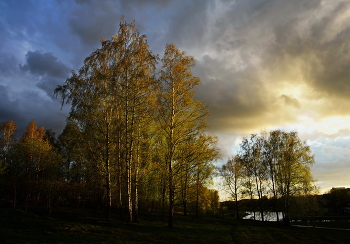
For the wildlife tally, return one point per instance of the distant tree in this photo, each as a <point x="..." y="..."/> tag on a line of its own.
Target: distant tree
<point x="80" y="169"/>
<point x="211" y="198"/>
<point x="251" y="159"/>
<point x="232" y="173"/>
<point x="306" y="204"/>
<point x="270" y="157"/>
<point x="278" y="161"/>
<point x="204" y="169"/>
<point x="193" y="168"/>
<point x="7" y="139"/>
<point x="34" y="166"/>
<point x="293" y="169"/>
<point x="71" y="149"/>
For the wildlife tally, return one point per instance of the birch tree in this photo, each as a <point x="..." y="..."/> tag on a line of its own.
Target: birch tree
<point x="111" y="92"/>
<point x="293" y="169"/>
<point x="251" y="159"/>
<point x="180" y="115"/>
<point x="232" y="174"/>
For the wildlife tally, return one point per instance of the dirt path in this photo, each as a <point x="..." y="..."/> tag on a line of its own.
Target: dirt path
<point x="305" y="226"/>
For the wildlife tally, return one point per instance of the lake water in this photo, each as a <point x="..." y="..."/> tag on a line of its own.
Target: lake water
<point x="268" y="216"/>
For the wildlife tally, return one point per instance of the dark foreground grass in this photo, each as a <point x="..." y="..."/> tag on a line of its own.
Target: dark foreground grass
<point x="83" y="226"/>
<point x="78" y="226"/>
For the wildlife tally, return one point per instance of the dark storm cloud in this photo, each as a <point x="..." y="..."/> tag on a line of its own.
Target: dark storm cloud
<point x="42" y="111"/>
<point x="236" y="98"/>
<point x="17" y="16"/>
<point x="238" y="93"/>
<point x="182" y="22"/>
<point x="30" y="105"/>
<point x="7" y="107"/>
<point x="49" y="71"/>
<point x="332" y="74"/>
<point x="42" y="64"/>
<point x="90" y="20"/>
<point x="188" y="27"/>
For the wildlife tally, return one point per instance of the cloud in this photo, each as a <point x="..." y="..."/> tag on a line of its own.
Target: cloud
<point x="330" y="166"/>
<point x="90" y="20"/>
<point x="30" y="105"/>
<point x="49" y="70"/>
<point x="188" y="26"/>
<point x="290" y="101"/>
<point x="7" y="107"/>
<point x="316" y="47"/>
<point x="268" y="62"/>
<point x="140" y="4"/>
<point x="42" y="64"/>
<point x="8" y="64"/>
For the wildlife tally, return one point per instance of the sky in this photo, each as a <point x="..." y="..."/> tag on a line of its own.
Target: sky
<point x="264" y="64"/>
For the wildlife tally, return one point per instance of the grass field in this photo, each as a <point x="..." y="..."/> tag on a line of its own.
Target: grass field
<point x="83" y="226"/>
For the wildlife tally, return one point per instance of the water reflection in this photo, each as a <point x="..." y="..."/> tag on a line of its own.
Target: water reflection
<point x="268" y="216"/>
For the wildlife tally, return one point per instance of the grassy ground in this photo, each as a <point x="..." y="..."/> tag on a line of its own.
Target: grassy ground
<point x="77" y="226"/>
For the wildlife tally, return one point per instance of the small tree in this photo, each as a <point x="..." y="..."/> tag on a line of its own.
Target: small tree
<point x="7" y="139"/>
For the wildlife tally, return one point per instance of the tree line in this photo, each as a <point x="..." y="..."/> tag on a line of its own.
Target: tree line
<point x="273" y="165"/>
<point x="134" y="138"/>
